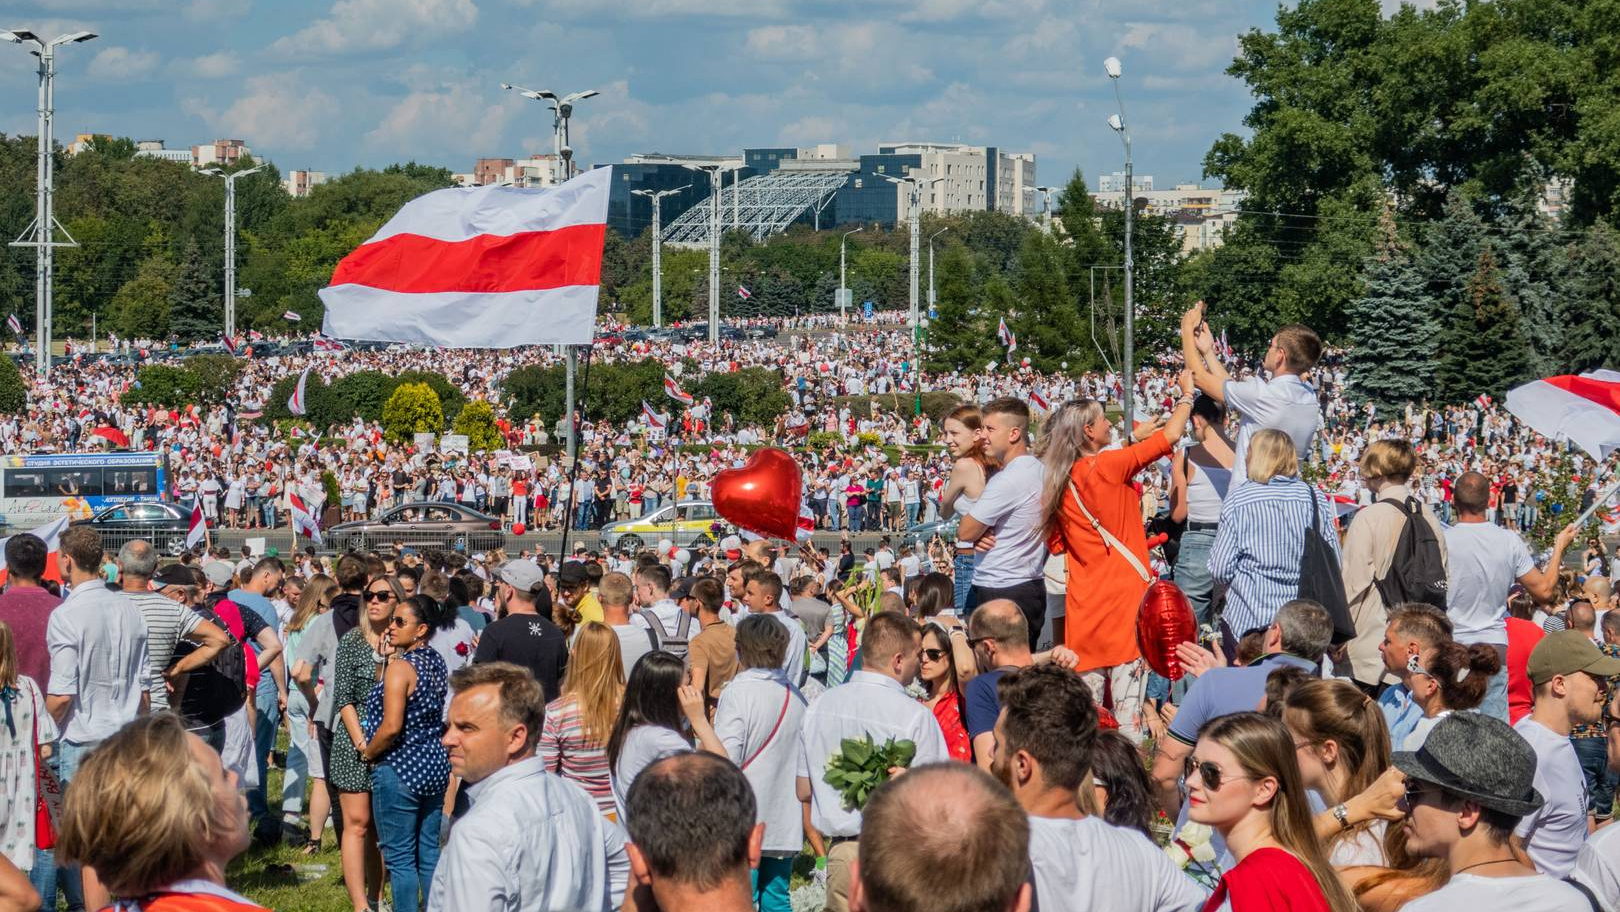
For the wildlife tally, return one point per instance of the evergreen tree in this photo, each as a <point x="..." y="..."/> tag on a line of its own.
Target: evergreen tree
<point x="958" y="336"/>
<point x="1392" y="327"/>
<point x="1537" y="266"/>
<point x="1047" y="322"/>
<point x="1591" y="309"/>
<point x="194" y="309"/>
<point x="1484" y="349"/>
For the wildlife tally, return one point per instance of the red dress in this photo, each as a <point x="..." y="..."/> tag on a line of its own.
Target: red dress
<point x="948" y="712"/>
<point x="1269" y="880"/>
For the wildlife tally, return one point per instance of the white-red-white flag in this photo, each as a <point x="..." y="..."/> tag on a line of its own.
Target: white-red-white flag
<point x="744" y="293"/>
<point x="1039" y="401"/>
<point x="1584" y="409"/>
<point x="230" y="344"/>
<point x="1006" y="336"/>
<point x="673" y="390"/>
<point x="295" y="402"/>
<point x="654" y="421"/>
<point x="198" y="530"/>
<point x="480" y="267"/>
<point x="1483" y="401"/>
<point x="303" y="521"/>
<point x="292" y="315"/>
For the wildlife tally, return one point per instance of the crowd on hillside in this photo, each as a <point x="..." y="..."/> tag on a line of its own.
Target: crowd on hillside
<point x="1373" y="692"/>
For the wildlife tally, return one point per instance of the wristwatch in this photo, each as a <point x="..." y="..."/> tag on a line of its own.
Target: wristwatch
<point x="1342" y="814"/>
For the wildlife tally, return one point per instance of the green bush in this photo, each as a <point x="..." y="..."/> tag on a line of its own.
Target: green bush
<point x="360" y="393"/>
<point x="477" y="421"/>
<point x="316" y="408"/>
<point x="216" y="376"/>
<point x="13" y="394"/>
<point x="753" y="395"/>
<point x="334" y="494"/>
<point x="450" y="398"/>
<point x="166" y="385"/>
<point x="824" y="440"/>
<point x="534" y="390"/>
<point x="867" y="438"/>
<point x="611" y="391"/>
<point x="413" y="409"/>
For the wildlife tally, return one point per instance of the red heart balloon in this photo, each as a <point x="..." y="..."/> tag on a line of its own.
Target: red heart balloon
<point x="763" y="495"/>
<point x="1164" y="621"/>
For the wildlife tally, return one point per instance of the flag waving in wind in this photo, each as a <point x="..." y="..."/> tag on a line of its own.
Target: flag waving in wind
<point x="674" y="391"/>
<point x="295" y="402"/>
<point x="230" y="344"/>
<point x="654" y="421"/>
<point x="480" y="267"/>
<point x="1584" y="409"/>
<point x="292" y="315"/>
<point x="197" y="532"/>
<point x="303" y="520"/>
<point x="15" y="324"/>
<point x="744" y="293"/>
<point x="1006" y="336"/>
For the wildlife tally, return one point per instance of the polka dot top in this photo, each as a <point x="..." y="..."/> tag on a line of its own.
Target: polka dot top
<point x="416" y="755"/>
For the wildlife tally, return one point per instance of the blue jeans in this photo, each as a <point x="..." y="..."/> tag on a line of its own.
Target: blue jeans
<point x="583" y="513"/>
<point x="266" y="720"/>
<point x="300" y="747"/>
<point x="1600" y="780"/>
<point x="963" y="579"/>
<point x="407" y="833"/>
<point x="856" y="514"/>
<point x="1496" y="702"/>
<point x="43" y="874"/>
<point x="69" y="755"/>
<point x="834" y="515"/>
<point x="771" y="883"/>
<point x="1192" y="572"/>
<point x="912" y="509"/>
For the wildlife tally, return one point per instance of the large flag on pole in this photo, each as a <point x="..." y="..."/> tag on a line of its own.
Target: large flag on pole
<point x="1584" y="409"/>
<point x="673" y="390"/>
<point x="303" y="520"/>
<point x="481" y="267"/>
<point x="198" y="530"/>
<point x="295" y="402"/>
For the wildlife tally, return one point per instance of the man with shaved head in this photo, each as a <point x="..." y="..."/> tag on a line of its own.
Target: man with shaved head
<point x="1484" y="561"/>
<point x="998" y="634"/>
<point x="942" y="838"/>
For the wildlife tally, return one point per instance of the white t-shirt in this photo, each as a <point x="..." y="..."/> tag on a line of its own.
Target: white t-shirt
<point x="1535" y="893"/>
<point x="643" y="746"/>
<point x="1484" y="560"/>
<point x="633" y="644"/>
<point x="1087" y="864"/>
<point x="1598" y="866"/>
<point x="1286" y="403"/>
<point x="1555" y="833"/>
<point x="1011" y="507"/>
<point x="1364" y="848"/>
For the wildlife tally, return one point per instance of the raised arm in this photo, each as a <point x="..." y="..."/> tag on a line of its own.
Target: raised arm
<point x="1198" y="348"/>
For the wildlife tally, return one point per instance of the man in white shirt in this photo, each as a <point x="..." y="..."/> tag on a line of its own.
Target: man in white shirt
<point x="100" y="670"/>
<point x="531" y="840"/>
<point x="874" y="704"/>
<point x="1466" y="791"/>
<point x="1008" y="516"/>
<point x="1484" y="560"/>
<point x="1044" y="739"/>
<point x="652" y="597"/>
<point x="635" y="641"/>
<point x="1287" y="402"/>
<point x="1566" y="670"/>
<point x="763" y="595"/>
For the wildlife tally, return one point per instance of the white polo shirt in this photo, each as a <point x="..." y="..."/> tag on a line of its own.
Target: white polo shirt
<point x="1011" y="506"/>
<point x="1088" y="864"/>
<point x="758" y="718"/>
<point x="1286" y="403"/>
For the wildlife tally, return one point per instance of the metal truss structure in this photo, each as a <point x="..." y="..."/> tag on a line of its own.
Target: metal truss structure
<point x="761" y="205"/>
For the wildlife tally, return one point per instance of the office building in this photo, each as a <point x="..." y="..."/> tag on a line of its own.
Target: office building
<point x="299" y="183"/>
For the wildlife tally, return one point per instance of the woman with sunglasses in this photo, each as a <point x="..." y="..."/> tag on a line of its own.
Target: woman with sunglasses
<point x="360" y="658"/>
<point x="410" y="769"/>
<point x="1454" y="678"/>
<point x="1242" y="780"/>
<point x="943" y="693"/>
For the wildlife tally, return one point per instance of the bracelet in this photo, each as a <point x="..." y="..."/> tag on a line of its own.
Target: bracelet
<point x="1342" y="814"/>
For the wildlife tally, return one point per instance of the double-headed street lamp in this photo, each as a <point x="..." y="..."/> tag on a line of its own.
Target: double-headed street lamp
<point x="843" y="286"/>
<point x="657" y="197"/>
<point x="1117" y="121"/>
<point x="717" y="176"/>
<point x="42" y="234"/>
<point x="914" y="196"/>
<point x="230" y="244"/>
<point x="562" y="107"/>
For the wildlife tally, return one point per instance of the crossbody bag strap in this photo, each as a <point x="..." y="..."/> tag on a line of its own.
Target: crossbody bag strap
<point x="787" y="696"/>
<point x="1109" y="539"/>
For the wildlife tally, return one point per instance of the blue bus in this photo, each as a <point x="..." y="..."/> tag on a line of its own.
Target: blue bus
<point x="35" y="490"/>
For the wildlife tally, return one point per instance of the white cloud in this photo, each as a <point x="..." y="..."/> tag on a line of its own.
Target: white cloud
<point x="1390" y="7"/>
<point x="213" y="66"/>
<point x="459" y="115"/>
<point x="121" y="63"/>
<point x="277" y="114"/>
<point x="366" y="25"/>
<point x="784" y="43"/>
<point x="653" y="9"/>
<point x="1180" y="47"/>
<point x="217" y="9"/>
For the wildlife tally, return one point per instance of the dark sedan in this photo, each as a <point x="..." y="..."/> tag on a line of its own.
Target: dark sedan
<point x="161" y="523"/>
<point x="423" y="524"/>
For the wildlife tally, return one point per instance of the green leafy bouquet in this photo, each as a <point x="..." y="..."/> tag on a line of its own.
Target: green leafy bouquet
<point x="861" y="766"/>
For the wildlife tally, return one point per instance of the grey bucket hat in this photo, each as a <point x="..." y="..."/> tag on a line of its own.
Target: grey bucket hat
<point x="1480" y="758"/>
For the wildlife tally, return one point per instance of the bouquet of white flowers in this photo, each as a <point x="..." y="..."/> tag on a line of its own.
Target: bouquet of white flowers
<point x="1193" y="854"/>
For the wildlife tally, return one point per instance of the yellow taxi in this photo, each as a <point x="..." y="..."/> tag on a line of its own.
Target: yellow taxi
<point x="689" y="524"/>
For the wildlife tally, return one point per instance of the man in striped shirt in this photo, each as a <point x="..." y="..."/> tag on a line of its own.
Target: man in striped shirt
<point x="167" y="623"/>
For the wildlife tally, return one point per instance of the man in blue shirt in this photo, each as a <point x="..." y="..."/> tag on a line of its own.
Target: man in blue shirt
<point x="1413" y="633"/>
<point x="1297" y="638"/>
<point x="999" y="637"/>
<point x="270" y="698"/>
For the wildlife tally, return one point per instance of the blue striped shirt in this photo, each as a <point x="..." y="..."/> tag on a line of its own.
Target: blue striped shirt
<point x="1257" y="550"/>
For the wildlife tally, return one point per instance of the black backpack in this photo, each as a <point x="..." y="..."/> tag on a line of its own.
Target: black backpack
<point x="1416" y="572"/>
<point x="1320" y="579"/>
<point x="219" y="688"/>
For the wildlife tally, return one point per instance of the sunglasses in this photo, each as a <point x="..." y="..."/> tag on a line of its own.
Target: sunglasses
<point x="1416" y="790"/>
<point x="933" y="655"/>
<point x="379" y="595"/>
<point x="1209" y="773"/>
<point x="397" y="621"/>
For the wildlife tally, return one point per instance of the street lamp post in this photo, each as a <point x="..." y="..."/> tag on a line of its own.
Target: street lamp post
<point x="1117" y="122"/>
<point x="230" y="244"/>
<point x="657" y="197"/>
<point x="42" y="234"/>
<point x="843" y="286"/>
<point x="931" y="266"/>
<point x="1046" y="207"/>
<point x="717" y="176"/>
<point x="914" y="197"/>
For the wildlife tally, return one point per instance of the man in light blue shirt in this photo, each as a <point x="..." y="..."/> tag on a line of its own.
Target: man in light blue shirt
<point x="531" y="840"/>
<point x="1413" y="633"/>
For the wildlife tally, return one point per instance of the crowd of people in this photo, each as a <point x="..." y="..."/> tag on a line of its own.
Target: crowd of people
<point x="1392" y="700"/>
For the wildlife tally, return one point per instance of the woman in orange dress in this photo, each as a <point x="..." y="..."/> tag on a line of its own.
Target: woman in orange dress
<point x="1094" y="518"/>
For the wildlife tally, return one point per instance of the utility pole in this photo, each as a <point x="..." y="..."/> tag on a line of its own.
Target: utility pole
<point x="41" y="235"/>
<point x="843" y="286"/>
<point x="914" y="187"/>
<point x="657" y="197"/>
<point x="717" y="178"/>
<point x="230" y="244"/>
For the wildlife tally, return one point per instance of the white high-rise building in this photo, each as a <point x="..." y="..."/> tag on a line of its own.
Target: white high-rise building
<point x="976" y="178"/>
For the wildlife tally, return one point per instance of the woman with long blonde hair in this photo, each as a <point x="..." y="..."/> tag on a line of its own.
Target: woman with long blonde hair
<point x="1243" y="780"/>
<point x="573" y="741"/>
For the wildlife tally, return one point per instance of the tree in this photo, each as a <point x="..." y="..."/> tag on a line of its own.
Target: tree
<point x="533" y="390"/>
<point x="1393" y="331"/>
<point x="165" y="385"/>
<point x="193" y="299"/>
<point x="412" y="409"/>
<point x="450" y="396"/>
<point x="753" y="395"/>
<point x="1483" y="348"/>
<point x="1592" y="307"/>
<point x="140" y="309"/>
<point x="477" y="421"/>
<point x="957" y="336"/>
<point x="361" y="393"/>
<point x="216" y="376"/>
<point x="1046" y="320"/>
<point x="13" y="392"/>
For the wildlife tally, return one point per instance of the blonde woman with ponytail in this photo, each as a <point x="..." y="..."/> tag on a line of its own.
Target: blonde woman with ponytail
<point x="1243" y="780"/>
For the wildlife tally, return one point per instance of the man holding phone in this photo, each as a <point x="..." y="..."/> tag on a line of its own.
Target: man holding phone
<point x="1286" y="402"/>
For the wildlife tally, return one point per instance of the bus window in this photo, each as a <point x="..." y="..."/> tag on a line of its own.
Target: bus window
<point x="73" y="482"/>
<point x="131" y="482"/>
<point x="26" y="483"/>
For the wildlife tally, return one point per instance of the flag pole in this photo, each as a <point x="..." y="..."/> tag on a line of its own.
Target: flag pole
<point x="1597" y="502"/>
<point x="573" y="468"/>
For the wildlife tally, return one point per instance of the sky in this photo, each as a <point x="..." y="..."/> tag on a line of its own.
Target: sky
<point x="331" y="85"/>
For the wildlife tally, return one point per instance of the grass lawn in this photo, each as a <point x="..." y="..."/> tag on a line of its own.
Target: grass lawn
<point x="284" y="878"/>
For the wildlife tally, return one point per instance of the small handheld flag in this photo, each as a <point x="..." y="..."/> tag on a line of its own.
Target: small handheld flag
<point x="230" y="344"/>
<point x="15" y="324"/>
<point x="1006" y="336"/>
<point x="674" y="391"/>
<point x="653" y="421"/>
<point x="292" y="315"/>
<point x="744" y="293"/>
<point x="198" y="530"/>
<point x="295" y="402"/>
<point x="1039" y="401"/>
<point x="302" y="520"/>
